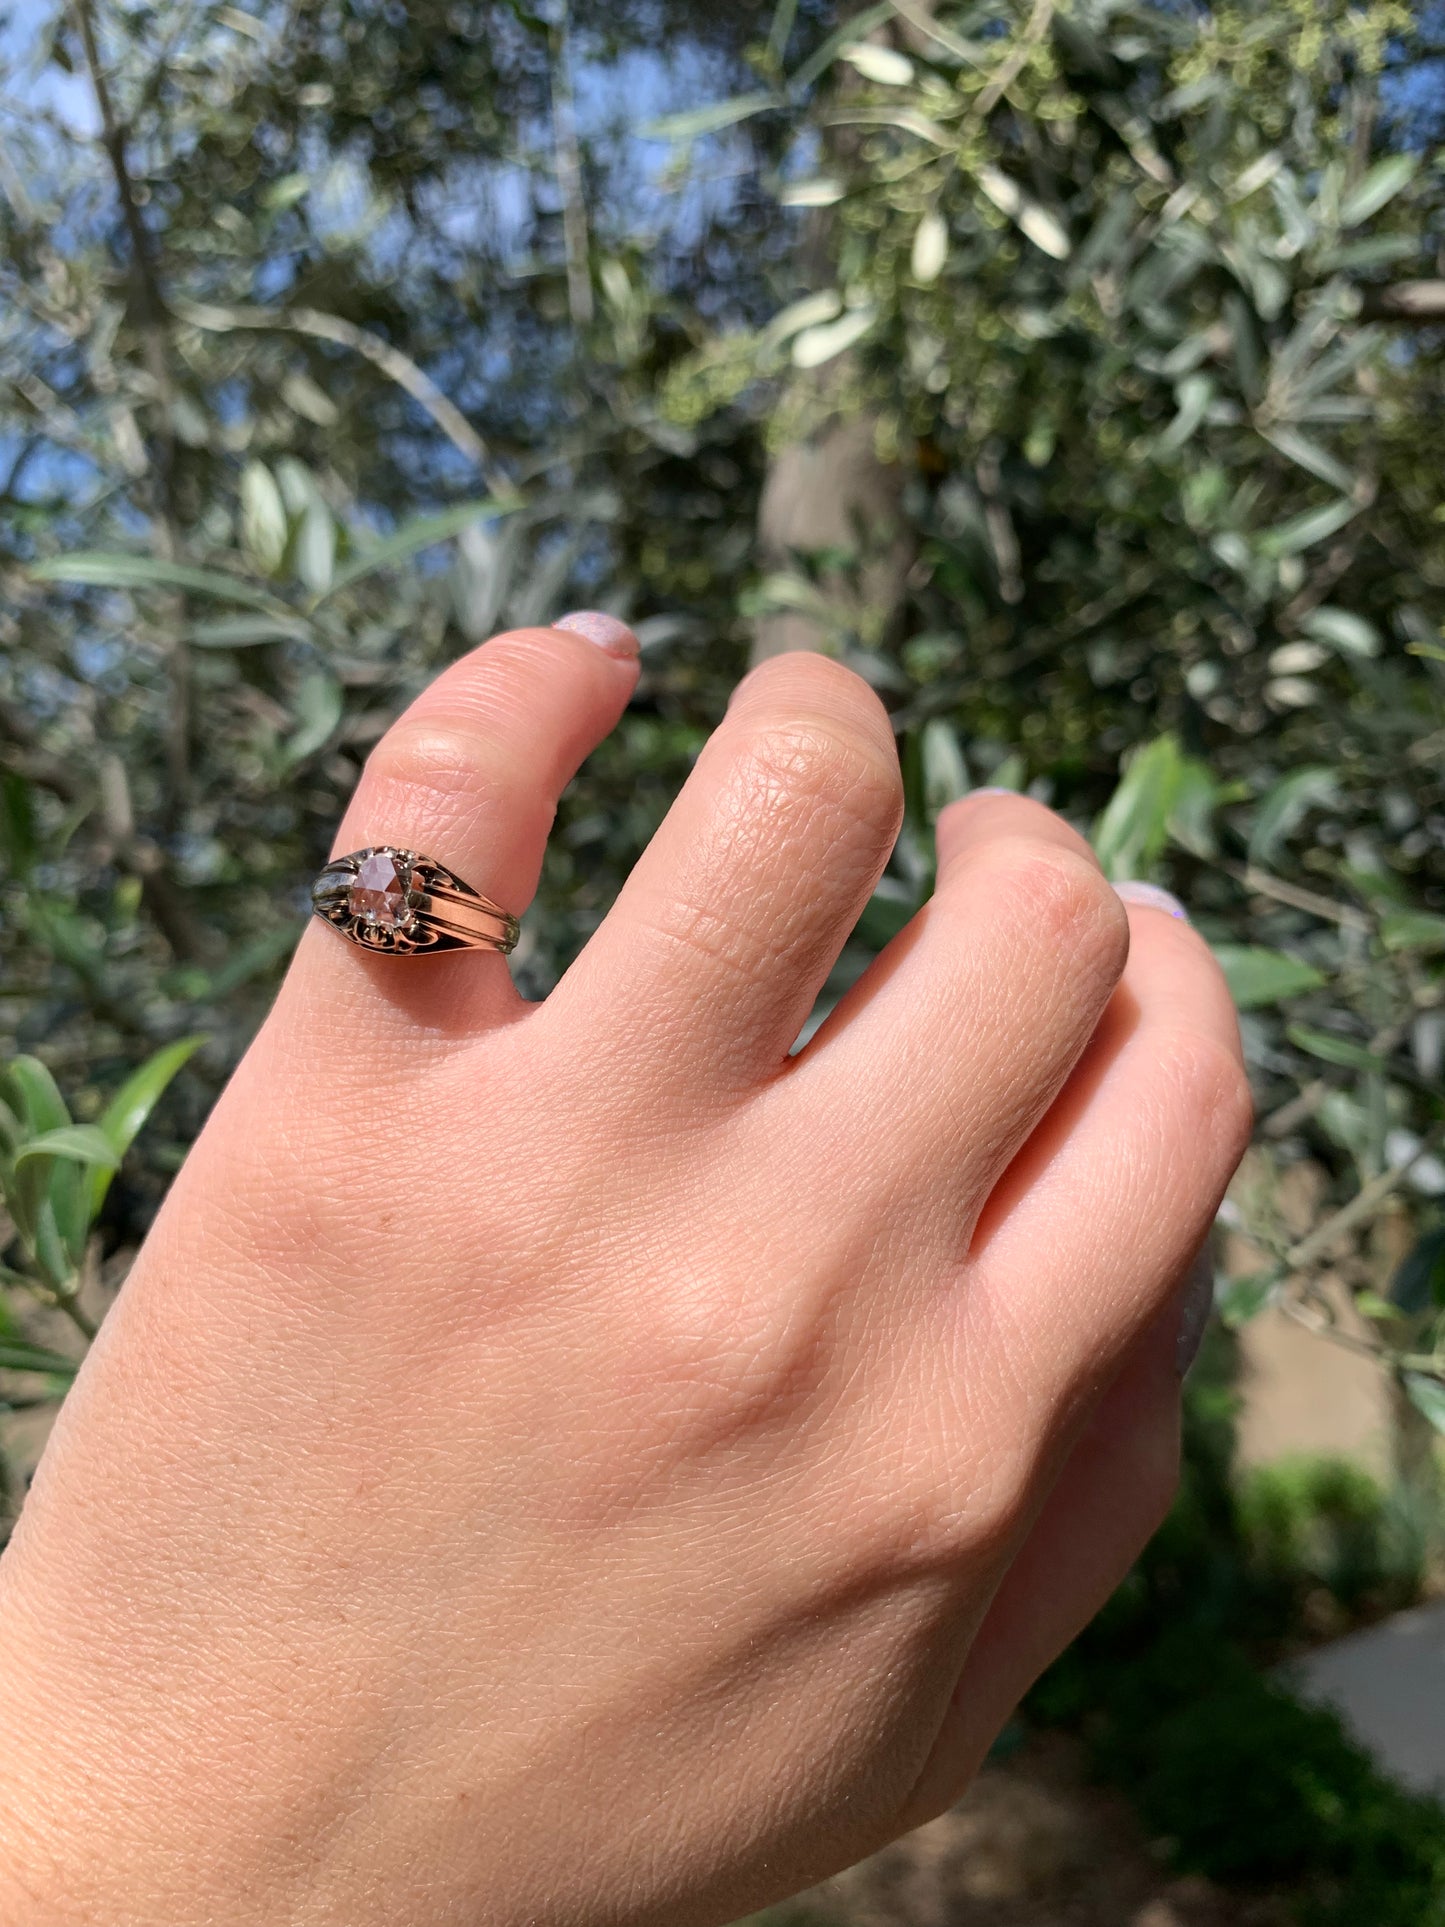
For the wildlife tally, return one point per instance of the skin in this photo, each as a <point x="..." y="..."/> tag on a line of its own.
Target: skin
<point x="578" y="1463"/>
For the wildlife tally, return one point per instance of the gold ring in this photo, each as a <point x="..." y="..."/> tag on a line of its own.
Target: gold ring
<point x="404" y="904"/>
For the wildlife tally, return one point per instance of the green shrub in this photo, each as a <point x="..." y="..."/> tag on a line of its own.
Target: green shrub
<point x="1248" y="1785"/>
<point x="1326" y="1522"/>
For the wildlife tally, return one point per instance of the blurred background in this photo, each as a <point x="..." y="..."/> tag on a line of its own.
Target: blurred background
<point x="1069" y="368"/>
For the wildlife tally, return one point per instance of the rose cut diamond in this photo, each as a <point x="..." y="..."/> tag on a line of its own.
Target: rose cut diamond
<point x="379" y="892"/>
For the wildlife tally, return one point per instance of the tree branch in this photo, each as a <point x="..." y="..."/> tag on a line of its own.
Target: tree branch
<point x="569" y="176"/>
<point x="1407" y="301"/>
<point x="138" y="855"/>
<point x="1017" y="60"/>
<point x="1366" y="1203"/>
<point x="153" y="317"/>
<point x="391" y="361"/>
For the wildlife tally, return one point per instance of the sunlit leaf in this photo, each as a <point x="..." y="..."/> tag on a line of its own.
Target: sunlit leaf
<point x="821" y="59"/>
<point x="1194" y="395"/>
<point x="881" y="64"/>
<point x="1380" y="184"/>
<point x="1242" y="1299"/>
<point x="301" y="394"/>
<point x="1034" y="221"/>
<point x="1427" y="1395"/>
<point x="244" y="632"/>
<point x="286" y="192"/>
<point x="1191" y="818"/>
<point x="1310" y="456"/>
<point x="318" y="710"/>
<point x="35" y="1095"/>
<point x="1286" y="806"/>
<point x="1004" y="192"/>
<point x="1413" y="930"/>
<point x="814" y="346"/>
<point x="930" y="248"/>
<point x="822" y="192"/>
<point x="263" y="517"/>
<point x="1301" y="532"/>
<point x="316" y="547"/>
<point x="424" y="532"/>
<point x="1331" y="1049"/>
<point x="945" y="773"/>
<point x="82" y="1143"/>
<point x="1257" y="976"/>
<point x="1044" y="230"/>
<point x="1348" y="633"/>
<point x="16" y="1356"/>
<point x="697" y="121"/>
<point x="1297" y="658"/>
<point x="103" y="570"/>
<point x="133" y="1103"/>
<point x="825" y="305"/>
<point x="240" y="22"/>
<point x="1135" y="824"/>
<point x="1372" y="1305"/>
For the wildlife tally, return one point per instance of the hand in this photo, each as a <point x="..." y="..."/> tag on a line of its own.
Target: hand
<point x="580" y="1463"/>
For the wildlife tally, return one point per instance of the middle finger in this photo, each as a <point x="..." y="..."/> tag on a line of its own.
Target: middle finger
<point x="957" y="1039"/>
<point x="709" y="962"/>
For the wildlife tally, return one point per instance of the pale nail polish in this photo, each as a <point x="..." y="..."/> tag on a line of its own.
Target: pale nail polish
<point x="993" y="789"/>
<point x="1196" y="1302"/>
<point x="1150" y="897"/>
<point x="606" y="631"/>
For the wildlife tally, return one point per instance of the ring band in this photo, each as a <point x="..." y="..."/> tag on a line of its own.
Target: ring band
<point x="404" y="904"/>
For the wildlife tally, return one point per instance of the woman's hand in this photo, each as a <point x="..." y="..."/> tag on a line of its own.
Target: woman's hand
<point x="580" y="1463"/>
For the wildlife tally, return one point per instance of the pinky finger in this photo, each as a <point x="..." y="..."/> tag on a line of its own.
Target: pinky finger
<point x="1098" y="1216"/>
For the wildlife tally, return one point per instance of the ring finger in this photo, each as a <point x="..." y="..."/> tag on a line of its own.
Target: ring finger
<point x="469" y="775"/>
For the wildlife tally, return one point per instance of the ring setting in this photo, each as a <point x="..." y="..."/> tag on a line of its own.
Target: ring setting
<point x="400" y="903"/>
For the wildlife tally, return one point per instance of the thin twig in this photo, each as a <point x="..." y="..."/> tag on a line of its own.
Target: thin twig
<point x="1298" y="1109"/>
<point x="1008" y="73"/>
<point x="65" y="1301"/>
<point x="396" y="366"/>
<point x="1430" y="1363"/>
<point x="1322" y="1328"/>
<point x="155" y="340"/>
<point x="1263" y="884"/>
<point x="569" y="175"/>
<point x="142" y="857"/>
<point x="920" y="19"/>
<point x="1366" y="1204"/>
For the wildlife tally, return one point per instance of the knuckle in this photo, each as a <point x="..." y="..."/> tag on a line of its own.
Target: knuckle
<point x="1216" y="1089"/>
<point x="435" y="757"/>
<point x="820" y="762"/>
<point x="705" y="933"/>
<point x="1068" y="902"/>
<point x="930" y="1518"/>
<point x="732" y="1364"/>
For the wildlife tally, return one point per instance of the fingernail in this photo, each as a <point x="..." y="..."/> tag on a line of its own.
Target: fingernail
<point x="1151" y="897"/>
<point x="993" y="789"/>
<point x="606" y="631"/>
<point x="1196" y="1302"/>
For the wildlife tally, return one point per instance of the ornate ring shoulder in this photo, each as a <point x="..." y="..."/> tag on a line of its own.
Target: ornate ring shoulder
<point x="403" y="904"/>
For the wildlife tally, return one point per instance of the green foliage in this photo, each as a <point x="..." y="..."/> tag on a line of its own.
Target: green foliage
<point x="54" y="1176"/>
<point x="1247" y="1784"/>
<point x="1136" y="302"/>
<point x="1173" y="1687"/>
<point x="1326" y="1522"/>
